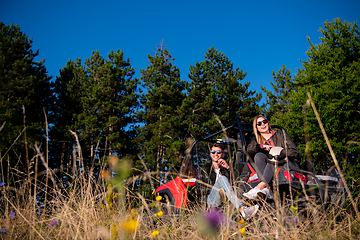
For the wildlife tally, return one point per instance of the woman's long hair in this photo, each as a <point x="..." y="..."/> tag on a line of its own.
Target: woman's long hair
<point x="258" y="137"/>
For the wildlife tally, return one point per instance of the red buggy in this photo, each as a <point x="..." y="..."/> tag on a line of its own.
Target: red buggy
<point x="294" y="182"/>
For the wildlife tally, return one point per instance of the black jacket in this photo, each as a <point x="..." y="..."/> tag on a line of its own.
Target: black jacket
<point x="279" y="140"/>
<point x="208" y="175"/>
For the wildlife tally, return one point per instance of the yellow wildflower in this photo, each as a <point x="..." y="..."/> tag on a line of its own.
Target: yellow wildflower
<point x="130" y="226"/>
<point x="114" y="231"/>
<point x="242" y="230"/>
<point x="154" y="233"/>
<point x="295" y="208"/>
<point x="133" y="213"/>
<point x="158" y="214"/>
<point x="242" y="221"/>
<point x="158" y="198"/>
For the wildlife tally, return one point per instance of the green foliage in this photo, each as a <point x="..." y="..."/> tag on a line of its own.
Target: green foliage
<point x="25" y="94"/>
<point x="97" y="101"/>
<point x="215" y="89"/>
<point x="65" y="110"/>
<point x="331" y="75"/>
<point x="160" y="139"/>
<point x="278" y="100"/>
<point x="108" y="99"/>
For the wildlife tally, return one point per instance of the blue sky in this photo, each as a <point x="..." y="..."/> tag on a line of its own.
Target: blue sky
<point x="257" y="36"/>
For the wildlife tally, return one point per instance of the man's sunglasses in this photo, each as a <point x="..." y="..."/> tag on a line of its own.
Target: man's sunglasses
<point x="262" y="122"/>
<point x="218" y="152"/>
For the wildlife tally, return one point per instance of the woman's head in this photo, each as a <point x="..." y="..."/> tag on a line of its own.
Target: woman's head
<point x="260" y="125"/>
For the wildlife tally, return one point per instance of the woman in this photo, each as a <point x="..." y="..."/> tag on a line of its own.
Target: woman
<point x="260" y="146"/>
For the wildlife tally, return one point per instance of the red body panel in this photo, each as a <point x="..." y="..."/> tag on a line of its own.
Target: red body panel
<point x="287" y="175"/>
<point x="253" y="178"/>
<point x="178" y="189"/>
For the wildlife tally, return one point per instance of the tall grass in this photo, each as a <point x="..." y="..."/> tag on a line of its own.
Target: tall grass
<point x="100" y="208"/>
<point x="95" y="209"/>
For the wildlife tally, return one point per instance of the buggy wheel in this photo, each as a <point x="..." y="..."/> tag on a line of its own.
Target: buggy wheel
<point x="336" y="202"/>
<point x="338" y="199"/>
<point x="166" y="205"/>
<point x="311" y="208"/>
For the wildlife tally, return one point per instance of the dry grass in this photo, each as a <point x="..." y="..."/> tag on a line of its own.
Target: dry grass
<point x="93" y="210"/>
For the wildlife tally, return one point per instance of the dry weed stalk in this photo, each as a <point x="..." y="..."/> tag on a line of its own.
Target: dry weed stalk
<point x="76" y="213"/>
<point x="333" y="155"/>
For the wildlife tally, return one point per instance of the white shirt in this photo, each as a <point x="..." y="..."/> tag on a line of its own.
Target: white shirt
<point x="217" y="173"/>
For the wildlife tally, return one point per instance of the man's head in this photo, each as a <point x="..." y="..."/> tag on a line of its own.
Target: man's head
<point x="217" y="152"/>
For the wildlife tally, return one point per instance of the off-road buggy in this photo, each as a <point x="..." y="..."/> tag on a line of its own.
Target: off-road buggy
<point x="299" y="184"/>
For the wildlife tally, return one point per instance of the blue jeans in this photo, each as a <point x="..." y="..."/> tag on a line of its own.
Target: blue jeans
<point x="213" y="200"/>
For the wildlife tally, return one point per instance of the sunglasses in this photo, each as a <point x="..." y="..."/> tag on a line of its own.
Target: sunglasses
<point x="213" y="152"/>
<point x="262" y="122"/>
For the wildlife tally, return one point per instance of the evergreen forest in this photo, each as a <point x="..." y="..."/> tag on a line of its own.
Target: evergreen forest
<point x="96" y="108"/>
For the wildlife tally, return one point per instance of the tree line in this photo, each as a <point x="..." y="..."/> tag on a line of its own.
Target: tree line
<point x="99" y="105"/>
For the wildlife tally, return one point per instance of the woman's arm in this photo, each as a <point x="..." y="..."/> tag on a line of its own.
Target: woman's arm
<point x="253" y="147"/>
<point x="283" y="139"/>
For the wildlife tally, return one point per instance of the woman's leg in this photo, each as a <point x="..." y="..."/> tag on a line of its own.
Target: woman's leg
<point x="267" y="176"/>
<point x="261" y="164"/>
<point x="268" y="173"/>
<point x="260" y="161"/>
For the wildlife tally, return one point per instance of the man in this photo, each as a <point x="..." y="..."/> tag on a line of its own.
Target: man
<point x="217" y="174"/>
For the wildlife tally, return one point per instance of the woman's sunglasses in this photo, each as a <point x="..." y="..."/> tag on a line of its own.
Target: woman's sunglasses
<point x="262" y="122"/>
<point x="218" y="152"/>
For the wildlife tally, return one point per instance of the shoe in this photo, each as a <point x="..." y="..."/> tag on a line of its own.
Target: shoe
<point x="249" y="212"/>
<point x="264" y="194"/>
<point x="222" y="195"/>
<point x="252" y="194"/>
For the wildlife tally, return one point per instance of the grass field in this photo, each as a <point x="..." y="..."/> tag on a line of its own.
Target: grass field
<point x="97" y="210"/>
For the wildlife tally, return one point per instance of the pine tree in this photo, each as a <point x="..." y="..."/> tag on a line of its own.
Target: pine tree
<point x="25" y="96"/>
<point x="331" y="75"/>
<point x="65" y="113"/>
<point x="279" y="99"/>
<point x="97" y="101"/>
<point x="162" y="134"/>
<point x="216" y="90"/>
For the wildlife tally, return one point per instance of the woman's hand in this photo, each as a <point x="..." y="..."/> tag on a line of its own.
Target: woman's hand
<point x="223" y="163"/>
<point x="267" y="147"/>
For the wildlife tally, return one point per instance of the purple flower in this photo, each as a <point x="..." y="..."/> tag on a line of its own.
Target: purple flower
<point x="3" y="231"/>
<point x="12" y="214"/>
<point x="53" y="223"/>
<point x="214" y="217"/>
<point x="2" y="183"/>
<point x="291" y="220"/>
<point x="38" y="213"/>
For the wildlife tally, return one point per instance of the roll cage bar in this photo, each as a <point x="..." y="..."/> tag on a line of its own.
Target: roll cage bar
<point x="241" y="128"/>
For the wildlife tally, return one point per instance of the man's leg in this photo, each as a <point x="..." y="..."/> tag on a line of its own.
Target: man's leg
<point x="225" y="184"/>
<point x="213" y="200"/>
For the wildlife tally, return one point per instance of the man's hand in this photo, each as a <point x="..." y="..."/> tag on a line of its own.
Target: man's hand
<point x="223" y="163"/>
